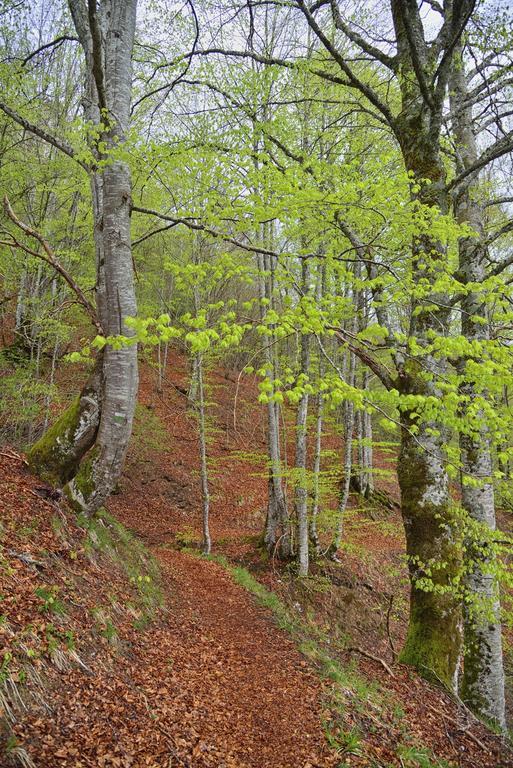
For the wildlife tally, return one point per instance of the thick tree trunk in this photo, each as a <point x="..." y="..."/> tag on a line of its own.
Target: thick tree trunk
<point x="482" y="684"/>
<point x="433" y="642"/>
<point x="56" y="456"/>
<point x="107" y="37"/>
<point x="94" y="481"/>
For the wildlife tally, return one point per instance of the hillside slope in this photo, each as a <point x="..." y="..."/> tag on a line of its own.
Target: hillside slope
<point x="97" y="673"/>
<point x="115" y="657"/>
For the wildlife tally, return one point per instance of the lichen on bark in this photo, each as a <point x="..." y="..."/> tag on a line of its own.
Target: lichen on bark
<point x="433" y="545"/>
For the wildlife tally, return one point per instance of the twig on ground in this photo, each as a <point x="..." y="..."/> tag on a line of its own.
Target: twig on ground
<point x="387" y="622"/>
<point x="25" y="558"/>
<point x="465" y="731"/>
<point x="355" y="649"/>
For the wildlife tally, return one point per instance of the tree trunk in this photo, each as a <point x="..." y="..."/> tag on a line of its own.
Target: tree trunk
<point x="482" y="684"/>
<point x="316" y="469"/>
<point x="301" y="484"/>
<point x="206" y="544"/>
<point x="349" y="418"/>
<point x="433" y="641"/>
<point x="56" y="456"/>
<point x="107" y="37"/>
<point x="276" y="532"/>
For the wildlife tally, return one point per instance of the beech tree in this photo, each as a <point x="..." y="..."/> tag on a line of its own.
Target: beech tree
<point x="85" y="449"/>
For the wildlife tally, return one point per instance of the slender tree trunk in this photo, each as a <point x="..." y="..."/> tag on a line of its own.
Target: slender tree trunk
<point x="316" y="470"/>
<point x="482" y="684"/>
<point x="206" y="544"/>
<point x="276" y="523"/>
<point x="301" y="484"/>
<point x="367" y="457"/>
<point x="192" y="393"/>
<point x="349" y="419"/>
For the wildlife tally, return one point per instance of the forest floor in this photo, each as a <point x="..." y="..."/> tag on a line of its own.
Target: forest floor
<point x="296" y="675"/>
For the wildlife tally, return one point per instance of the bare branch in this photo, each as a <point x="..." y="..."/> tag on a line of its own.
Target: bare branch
<point x="353" y="80"/>
<point x="194" y="225"/>
<point x="266" y="60"/>
<point x="59" y="144"/>
<point x="501" y="147"/>
<point x="49" y="258"/>
<point x="54" y="44"/>
<point x="375" y="53"/>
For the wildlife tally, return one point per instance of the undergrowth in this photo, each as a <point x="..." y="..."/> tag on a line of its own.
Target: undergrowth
<point x="107" y="535"/>
<point x="51" y="588"/>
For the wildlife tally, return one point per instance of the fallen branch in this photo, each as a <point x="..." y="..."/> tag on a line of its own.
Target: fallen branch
<point x="13" y="456"/>
<point x="466" y="731"/>
<point x="390" y="641"/>
<point x="25" y="558"/>
<point x="355" y="649"/>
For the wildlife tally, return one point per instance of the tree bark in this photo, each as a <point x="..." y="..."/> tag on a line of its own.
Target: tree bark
<point x="433" y="641"/>
<point x="207" y="543"/>
<point x="482" y="684"/>
<point x="107" y="36"/>
<point x="276" y="533"/>
<point x="301" y="484"/>
<point x="56" y="456"/>
<point x="349" y="419"/>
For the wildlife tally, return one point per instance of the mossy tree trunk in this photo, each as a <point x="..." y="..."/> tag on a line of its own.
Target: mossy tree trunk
<point x="420" y="66"/>
<point x="56" y="456"/>
<point x="433" y="642"/>
<point x="106" y="33"/>
<point x="434" y="637"/>
<point x="482" y="684"/>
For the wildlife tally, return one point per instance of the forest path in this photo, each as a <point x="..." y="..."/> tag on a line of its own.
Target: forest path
<point x="231" y="688"/>
<point x="239" y="692"/>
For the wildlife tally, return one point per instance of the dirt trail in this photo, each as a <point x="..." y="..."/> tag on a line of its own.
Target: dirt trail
<point x="235" y="691"/>
<point x="236" y="682"/>
<point x="211" y="682"/>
